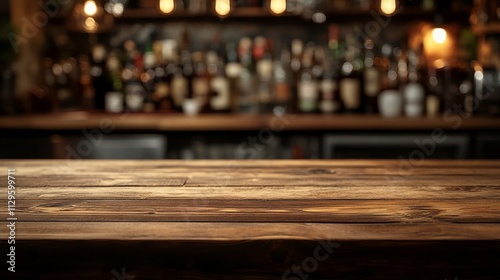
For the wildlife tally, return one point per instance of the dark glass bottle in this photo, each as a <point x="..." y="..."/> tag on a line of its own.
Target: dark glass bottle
<point x="200" y="82"/>
<point x="100" y="79"/>
<point x="351" y="84"/>
<point x="282" y="82"/>
<point x="371" y="78"/>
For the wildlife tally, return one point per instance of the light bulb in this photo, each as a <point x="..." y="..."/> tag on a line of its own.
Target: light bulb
<point x="222" y="7"/>
<point x="439" y="35"/>
<point x="277" y="6"/>
<point x="167" y="6"/>
<point x="388" y="7"/>
<point x="90" y="8"/>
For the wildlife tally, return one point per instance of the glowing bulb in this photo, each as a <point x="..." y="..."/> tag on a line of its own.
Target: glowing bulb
<point x="439" y="35"/>
<point x="167" y="6"/>
<point x="222" y="7"/>
<point x="277" y="6"/>
<point x="388" y="7"/>
<point x="90" y="8"/>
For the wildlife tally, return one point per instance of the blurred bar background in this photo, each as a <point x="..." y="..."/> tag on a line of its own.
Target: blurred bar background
<point x="250" y="79"/>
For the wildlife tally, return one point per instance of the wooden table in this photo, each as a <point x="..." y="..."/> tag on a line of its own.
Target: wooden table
<point x="254" y="220"/>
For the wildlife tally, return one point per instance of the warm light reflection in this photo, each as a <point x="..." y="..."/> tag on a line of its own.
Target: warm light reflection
<point x="90" y="8"/>
<point x="167" y="6"/>
<point x="439" y="35"/>
<point x="388" y="7"/>
<point x="90" y="24"/>
<point x="277" y="6"/>
<point x="222" y="7"/>
<point x="439" y="63"/>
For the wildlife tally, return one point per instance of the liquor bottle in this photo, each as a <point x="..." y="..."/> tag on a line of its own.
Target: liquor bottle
<point x="86" y="82"/>
<point x="232" y="71"/>
<point x="282" y="82"/>
<point x="351" y="84"/>
<point x="390" y="67"/>
<point x="264" y="67"/>
<point x="66" y="99"/>
<point x="247" y="102"/>
<point x="49" y="82"/>
<point x="297" y="48"/>
<point x="402" y="66"/>
<point x="148" y="78"/>
<point x="433" y="101"/>
<point x="371" y="78"/>
<point x="74" y="74"/>
<point x="134" y="92"/>
<point x="115" y="96"/>
<point x="414" y="91"/>
<point x="220" y="100"/>
<point x="330" y="102"/>
<point x="39" y="98"/>
<point x="100" y="81"/>
<point x="179" y="86"/>
<point x="165" y="72"/>
<point x="307" y="86"/>
<point x="200" y="82"/>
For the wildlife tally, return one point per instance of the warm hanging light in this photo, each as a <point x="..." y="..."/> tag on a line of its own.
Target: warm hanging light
<point x="388" y="7"/>
<point x="167" y="6"/>
<point x="277" y="7"/>
<point x="439" y="35"/>
<point x="222" y="7"/>
<point x="90" y="8"/>
<point x="89" y="16"/>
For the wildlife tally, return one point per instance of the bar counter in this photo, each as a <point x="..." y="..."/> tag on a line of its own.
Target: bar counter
<point x="254" y="219"/>
<point x="240" y="122"/>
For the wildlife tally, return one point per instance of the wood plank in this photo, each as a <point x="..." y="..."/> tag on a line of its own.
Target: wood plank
<point x="266" y="192"/>
<point x="215" y="179"/>
<point x="201" y="209"/>
<point x="192" y="231"/>
<point x="101" y="180"/>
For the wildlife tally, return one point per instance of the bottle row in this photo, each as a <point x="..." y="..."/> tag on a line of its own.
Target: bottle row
<point x="254" y="75"/>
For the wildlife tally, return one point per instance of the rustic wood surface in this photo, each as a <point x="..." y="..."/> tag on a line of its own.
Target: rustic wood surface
<point x="255" y="219"/>
<point x="224" y="122"/>
<point x="355" y="199"/>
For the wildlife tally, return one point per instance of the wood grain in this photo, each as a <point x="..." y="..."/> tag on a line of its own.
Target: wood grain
<point x="240" y="192"/>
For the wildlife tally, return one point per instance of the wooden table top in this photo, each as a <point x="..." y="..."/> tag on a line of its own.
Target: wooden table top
<point x="255" y="200"/>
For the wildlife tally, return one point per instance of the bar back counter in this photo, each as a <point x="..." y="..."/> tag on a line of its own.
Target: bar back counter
<point x="339" y="219"/>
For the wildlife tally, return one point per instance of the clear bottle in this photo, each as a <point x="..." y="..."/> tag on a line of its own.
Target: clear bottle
<point x="308" y="92"/>
<point x="247" y="102"/>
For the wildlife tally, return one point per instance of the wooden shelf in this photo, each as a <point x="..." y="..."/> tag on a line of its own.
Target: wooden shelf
<point x="485" y="29"/>
<point x="253" y="13"/>
<point x="225" y="122"/>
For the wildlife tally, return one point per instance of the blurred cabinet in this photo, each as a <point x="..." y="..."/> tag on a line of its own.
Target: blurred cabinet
<point x="143" y="146"/>
<point x="487" y="146"/>
<point x="417" y="147"/>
